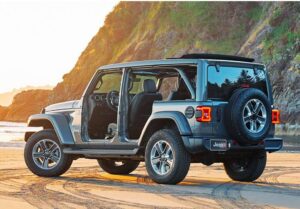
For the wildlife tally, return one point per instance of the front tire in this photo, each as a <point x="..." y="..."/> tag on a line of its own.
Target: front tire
<point x="44" y="156"/>
<point x="247" y="169"/>
<point x="167" y="161"/>
<point x="118" y="167"/>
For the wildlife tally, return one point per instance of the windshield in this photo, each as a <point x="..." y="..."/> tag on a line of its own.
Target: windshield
<point x="108" y="82"/>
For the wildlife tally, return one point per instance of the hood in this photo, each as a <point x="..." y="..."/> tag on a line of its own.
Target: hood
<point x="62" y="106"/>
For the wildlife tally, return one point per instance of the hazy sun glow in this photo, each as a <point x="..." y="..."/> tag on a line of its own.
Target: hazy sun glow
<point x="41" y="40"/>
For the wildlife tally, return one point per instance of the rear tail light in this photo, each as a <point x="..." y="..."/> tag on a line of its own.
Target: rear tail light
<point x="204" y="114"/>
<point x="275" y="116"/>
<point x="244" y="85"/>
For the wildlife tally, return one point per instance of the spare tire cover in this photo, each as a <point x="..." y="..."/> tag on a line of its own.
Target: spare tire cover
<point x="248" y="116"/>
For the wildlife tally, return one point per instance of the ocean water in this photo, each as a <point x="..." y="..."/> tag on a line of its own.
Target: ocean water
<point x="12" y="131"/>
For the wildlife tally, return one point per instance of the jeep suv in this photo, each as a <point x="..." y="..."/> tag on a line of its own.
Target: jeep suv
<point x="199" y="108"/>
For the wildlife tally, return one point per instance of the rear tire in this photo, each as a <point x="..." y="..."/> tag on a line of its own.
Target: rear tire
<point x="248" y="116"/>
<point x="111" y="166"/>
<point x="248" y="169"/>
<point x="42" y="150"/>
<point x="167" y="161"/>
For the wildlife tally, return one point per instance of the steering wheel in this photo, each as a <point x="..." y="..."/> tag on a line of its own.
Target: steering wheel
<point x="112" y="100"/>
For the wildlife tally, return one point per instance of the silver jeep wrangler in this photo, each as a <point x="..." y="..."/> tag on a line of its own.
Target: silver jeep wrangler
<point x="200" y="108"/>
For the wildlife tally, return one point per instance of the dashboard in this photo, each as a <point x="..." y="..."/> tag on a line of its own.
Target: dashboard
<point x="100" y="98"/>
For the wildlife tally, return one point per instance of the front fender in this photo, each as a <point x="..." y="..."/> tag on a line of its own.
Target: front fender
<point x="58" y="122"/>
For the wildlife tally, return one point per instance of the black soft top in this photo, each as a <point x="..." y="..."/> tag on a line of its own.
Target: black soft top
<point x="216" y="57"/>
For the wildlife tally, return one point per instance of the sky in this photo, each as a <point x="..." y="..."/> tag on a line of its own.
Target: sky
<point x="41" y="40"/>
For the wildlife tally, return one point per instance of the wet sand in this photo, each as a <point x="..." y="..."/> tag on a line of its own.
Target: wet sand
<point x="85" y="185"/>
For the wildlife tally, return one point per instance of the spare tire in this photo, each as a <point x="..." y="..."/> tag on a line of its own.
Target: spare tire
<point x="248" y="116"/>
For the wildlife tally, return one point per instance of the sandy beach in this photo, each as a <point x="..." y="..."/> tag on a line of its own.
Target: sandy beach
<point x="85" y="185"/>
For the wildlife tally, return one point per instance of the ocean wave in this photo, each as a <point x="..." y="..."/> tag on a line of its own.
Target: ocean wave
<point x="12" y="124"/>
<point x="11" y="131"/>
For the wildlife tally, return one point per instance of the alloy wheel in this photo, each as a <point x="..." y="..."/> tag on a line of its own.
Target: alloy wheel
<point x="162" y="157"/>
<point x="254" y="115"/>
<point x="46" y="154"/>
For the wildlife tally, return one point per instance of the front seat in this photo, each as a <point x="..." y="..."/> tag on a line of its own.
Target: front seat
<point x="141" y="108"/>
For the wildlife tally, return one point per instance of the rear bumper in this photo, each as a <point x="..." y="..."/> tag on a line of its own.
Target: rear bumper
<point x="197" y="145"/>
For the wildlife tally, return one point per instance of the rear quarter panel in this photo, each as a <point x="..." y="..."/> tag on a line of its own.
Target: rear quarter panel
<point x="198" y="129"/>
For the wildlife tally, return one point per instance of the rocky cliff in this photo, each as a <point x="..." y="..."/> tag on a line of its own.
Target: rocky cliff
<point x="25" y="104"/>
<point x="6" y="98"/>
<point x="267" y="31"/>
<point x="3" y="111"/>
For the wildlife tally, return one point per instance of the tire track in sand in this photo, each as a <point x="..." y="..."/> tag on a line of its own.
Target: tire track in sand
<point x="79" y="183"/>
<point x="229" y="194"/>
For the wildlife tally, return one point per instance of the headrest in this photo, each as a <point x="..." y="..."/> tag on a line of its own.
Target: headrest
<point x="149" y="86"/>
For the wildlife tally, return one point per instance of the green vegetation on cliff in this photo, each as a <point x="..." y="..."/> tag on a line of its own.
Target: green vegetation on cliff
<point x="144" y="30"/>
<point x="282" y="43"/>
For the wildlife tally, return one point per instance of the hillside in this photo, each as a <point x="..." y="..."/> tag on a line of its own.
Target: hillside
<point x="25" y="104"/>
<point x="267" y="31"/>
<point x="6" y="98"/>
<point x="3" y="111"/>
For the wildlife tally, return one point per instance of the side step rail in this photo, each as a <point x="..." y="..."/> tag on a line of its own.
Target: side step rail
<point x="100" y="151"/>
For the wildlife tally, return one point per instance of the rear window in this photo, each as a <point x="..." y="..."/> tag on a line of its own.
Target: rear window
<point x="222" y="81"/>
